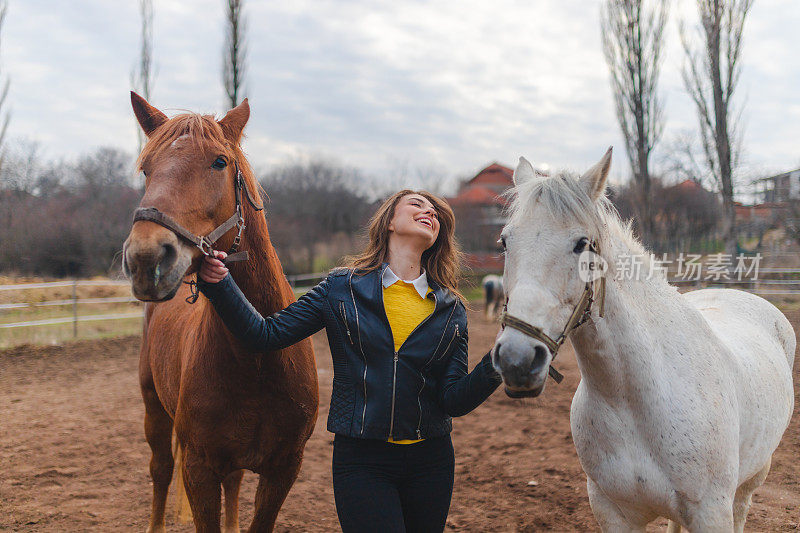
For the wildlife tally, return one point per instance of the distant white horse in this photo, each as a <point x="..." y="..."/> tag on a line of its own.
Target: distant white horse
<point x="683" y="397"/>
<point x="493" y="295"/>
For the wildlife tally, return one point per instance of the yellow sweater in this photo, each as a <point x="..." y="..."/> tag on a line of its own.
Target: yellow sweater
<point x="405" y="311"/>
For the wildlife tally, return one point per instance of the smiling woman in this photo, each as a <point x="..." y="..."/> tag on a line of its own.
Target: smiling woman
<point x="397" y="328"/>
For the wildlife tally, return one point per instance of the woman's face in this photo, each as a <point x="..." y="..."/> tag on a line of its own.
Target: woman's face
<point x="415" y="218"/>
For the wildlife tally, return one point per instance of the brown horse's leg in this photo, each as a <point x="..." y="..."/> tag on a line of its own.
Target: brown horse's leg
<point x="203" y="491"/>
<point x="271" y="492"/>
<point x="230" y="486"/>
<point x="158" y="432"/>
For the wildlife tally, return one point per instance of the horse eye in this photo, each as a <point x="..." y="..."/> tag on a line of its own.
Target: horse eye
<point x="580" y="246"/>
<point x="219" y="163"/>
<point x="502" y="242"/>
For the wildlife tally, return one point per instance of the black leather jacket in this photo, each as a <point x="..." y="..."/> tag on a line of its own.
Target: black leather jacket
<point x="377" y="393"/>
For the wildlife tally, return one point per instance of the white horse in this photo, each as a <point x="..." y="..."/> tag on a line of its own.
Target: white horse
<point x="683" y="397"/>
<point x="493" y="295"/>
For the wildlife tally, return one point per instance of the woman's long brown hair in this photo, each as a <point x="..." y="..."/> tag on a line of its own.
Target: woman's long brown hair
<point x="442" y="261"/>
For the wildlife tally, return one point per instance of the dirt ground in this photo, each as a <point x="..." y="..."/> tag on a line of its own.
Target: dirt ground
<point x="73" y="455"/>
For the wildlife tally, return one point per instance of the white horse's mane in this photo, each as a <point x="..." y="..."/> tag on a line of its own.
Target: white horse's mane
<point x="564" y="196"/>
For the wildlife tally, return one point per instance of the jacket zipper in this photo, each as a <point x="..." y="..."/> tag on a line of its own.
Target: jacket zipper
<point x="346" y="325"/>
<point x="455" y="334"/>
<point x="441" y="339"/>
<point x="419" y="403"/>
<point x="394" y="374"/>
<point x="419" y="394"/>
<point x="394" y="386"/>
<point x="361" y="348"/>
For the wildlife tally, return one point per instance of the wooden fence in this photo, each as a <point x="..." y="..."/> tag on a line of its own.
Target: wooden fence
<point x="770" y="282"/>
<point x="72" y="303"/>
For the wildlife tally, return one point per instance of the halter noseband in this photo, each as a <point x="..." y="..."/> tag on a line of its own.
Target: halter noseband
<point x="580" y="314"/>
<point x="206" y="242"/>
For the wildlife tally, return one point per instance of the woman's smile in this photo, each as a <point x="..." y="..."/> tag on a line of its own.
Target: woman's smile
<point x="426" y="221"/>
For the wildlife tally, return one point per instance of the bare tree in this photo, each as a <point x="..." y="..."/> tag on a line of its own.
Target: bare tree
<point x="24" y="160"/>
<point x="402" y="174"/>
<point x="235" y="53"/>
<point x="711" y="73"/>
<point x="682" y="159"/>
<point x="685" y="215"/>
<point x="141" y="75"/>
<point x="5" y="115"/>
<point x="87" y="206"/>
<point x="633" y="32"/>
<point x="313" y="203"/>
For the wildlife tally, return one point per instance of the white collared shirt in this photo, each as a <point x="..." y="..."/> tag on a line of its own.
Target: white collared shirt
<point x="420" y="284"/>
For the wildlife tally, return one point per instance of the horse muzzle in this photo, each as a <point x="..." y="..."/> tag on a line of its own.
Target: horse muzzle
<point x="155" y="264"/>
<point x="524" y="393"/>
<point x="522" y="362"/>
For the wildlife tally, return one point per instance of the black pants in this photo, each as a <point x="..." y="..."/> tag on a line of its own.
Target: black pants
<point x="392" y="488"/>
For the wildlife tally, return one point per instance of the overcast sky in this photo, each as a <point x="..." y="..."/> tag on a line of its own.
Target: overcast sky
<point x="449" y="85"/>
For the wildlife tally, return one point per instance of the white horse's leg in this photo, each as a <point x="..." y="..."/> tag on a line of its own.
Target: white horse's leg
<point x="608" y="515"/>
<point x="743" y="498"/>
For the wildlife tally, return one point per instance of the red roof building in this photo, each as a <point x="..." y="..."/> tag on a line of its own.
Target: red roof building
<point x="486" y="188"/>
<point x="690" y="186"/>
<point x="766" y="211"/>
<point x="479" y="207"/>
<point x="496" y="177"/>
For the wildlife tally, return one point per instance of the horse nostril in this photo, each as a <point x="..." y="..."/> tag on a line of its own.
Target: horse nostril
<point x="496" y="356"/>
<point x="168" y="257"/>
<point x="539" y="355"/>
<point x="539" y="359"/>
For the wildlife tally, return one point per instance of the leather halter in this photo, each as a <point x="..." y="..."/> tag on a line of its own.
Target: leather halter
<point x="580" y="314"/>
<point x="206" y="242"/>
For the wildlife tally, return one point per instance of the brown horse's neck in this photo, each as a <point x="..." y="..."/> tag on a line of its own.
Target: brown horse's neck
<point x="261" y="277"/>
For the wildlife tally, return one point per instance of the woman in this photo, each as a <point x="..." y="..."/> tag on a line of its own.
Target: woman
<point x="397" y="330"/>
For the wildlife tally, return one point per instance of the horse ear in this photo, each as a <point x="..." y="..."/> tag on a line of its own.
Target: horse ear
<point x="524" y="171"/>
<point x="148" y="116"/>
<point x="233" y="123"/>
<point x="595" y="178"/>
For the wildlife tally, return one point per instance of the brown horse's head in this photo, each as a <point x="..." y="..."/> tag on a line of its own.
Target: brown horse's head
<point x="188" y="163"/>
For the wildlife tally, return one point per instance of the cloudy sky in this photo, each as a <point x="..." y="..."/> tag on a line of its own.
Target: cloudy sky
<point x="375" y="84"/>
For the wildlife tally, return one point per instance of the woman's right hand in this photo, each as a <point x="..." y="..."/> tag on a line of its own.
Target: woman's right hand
<point x="212" y="269"/>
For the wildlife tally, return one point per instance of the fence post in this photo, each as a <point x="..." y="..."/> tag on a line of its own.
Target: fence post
<point x="75" y="308"/>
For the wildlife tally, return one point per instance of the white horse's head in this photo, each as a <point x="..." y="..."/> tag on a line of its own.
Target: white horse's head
<point x="552" y="222"/>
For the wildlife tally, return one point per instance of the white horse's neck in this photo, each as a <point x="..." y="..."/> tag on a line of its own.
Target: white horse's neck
<point x="643" y="322"/>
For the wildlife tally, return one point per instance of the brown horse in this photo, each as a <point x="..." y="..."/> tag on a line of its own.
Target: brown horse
<point x="230" y="408"/>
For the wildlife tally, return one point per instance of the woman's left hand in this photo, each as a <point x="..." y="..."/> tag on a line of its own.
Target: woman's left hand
<point x="212" y="269"/>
